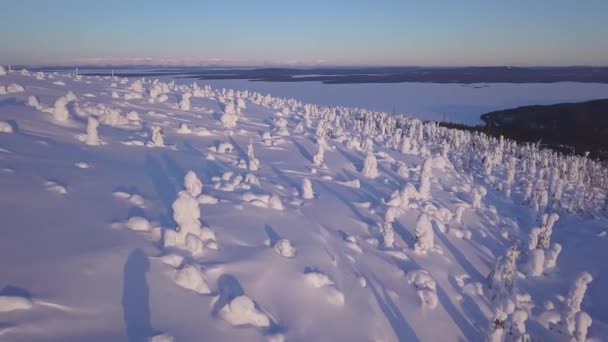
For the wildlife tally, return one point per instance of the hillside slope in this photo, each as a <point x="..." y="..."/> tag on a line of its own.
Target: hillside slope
<point x="134" y="208"/>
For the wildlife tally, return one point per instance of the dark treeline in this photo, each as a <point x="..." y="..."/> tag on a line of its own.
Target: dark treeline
<point x="566" y="127"/>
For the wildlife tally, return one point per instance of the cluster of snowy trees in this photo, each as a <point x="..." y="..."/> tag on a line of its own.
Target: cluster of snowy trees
<point x="550" y="183"/>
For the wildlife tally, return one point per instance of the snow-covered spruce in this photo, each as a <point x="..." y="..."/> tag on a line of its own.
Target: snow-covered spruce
<point x="186" y="212"/>
<point x="501" y="280"/>
<point x="184" y="103"/>
<point x="253" y="163"/>
<point x="540" y="256"/>
<point x="575" y="322"/>
<point x="477" y="195"/>
<point x="157" y="137"/>
<point x="229" y="116"/>
<point x="424" y="239"/>
<point x="551" y="255"/>
<point x="307" y="192"/>
<point x="32" y="101"/>
<point x="317" y="159"/>
<point x="193" y="184"/>
<point x="370" y="166"/>
<point x="424" y="189"/>
<point x="60" y="111"/>
<point x="92" y="137"/>
<point x="388" y="234"/>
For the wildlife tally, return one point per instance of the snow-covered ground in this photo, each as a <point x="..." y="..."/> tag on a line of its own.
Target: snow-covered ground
<point x="135" y="210"/>
<point x="462" y="103"/>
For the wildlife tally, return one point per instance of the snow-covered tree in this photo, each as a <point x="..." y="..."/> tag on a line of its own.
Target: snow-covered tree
<point x="497" y="329"/>
<point x="307" y="192"/>
<point x="424" y="239"/>
<point x="157" y="137"/>
<point x="574" y="321"/>
<point x="188" y="233"/>
<point x="477" y="195"/>
<point x="92" y="137"/>
<point x="551" y="255"/>
<point x="517" y="326"/>
<point x="184" y="103"/>
<point x="229" y="116"/>
<point x="544" y="235"/>
<point x="318" y="157"/>
<point x="424" y="188"/>
<point x="370" y="166"/>
<point x="193" y="184"/>
<point x="70" y="96"/>
<point x="60" y="111"/>
<point x="501" y="280"/>
<point x="32" y="101"/>
<point x="253" y="162"/>
<point x="388" y="234"/>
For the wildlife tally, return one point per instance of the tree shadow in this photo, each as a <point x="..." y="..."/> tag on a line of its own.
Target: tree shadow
<point x="281" y="175"/>
<point x="401" y="327"/>
<point x="469" y="330"/>
<point x="303" y="151"/>
<point x="15" y="291"/>
<point x="273" y="236"/>
<point x="348" y="201"/>
<point x="135" y="297"/>
<point x="228" y="288"/>
<point x="460" y="257"/>
<point x="173" y="168"/>
<point x="406" y="235"/>
<point x="163" y="186"/>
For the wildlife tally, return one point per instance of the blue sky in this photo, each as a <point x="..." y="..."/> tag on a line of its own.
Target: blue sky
<point x="400" y="32"/>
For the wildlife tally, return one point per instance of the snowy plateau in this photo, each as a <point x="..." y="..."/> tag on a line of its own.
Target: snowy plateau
<point x="143" y="210"/>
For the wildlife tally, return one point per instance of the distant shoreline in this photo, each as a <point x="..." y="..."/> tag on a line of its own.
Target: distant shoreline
<point x="362" y="75"/>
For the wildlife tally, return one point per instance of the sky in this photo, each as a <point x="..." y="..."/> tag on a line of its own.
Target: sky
<point x="307" y="32"/>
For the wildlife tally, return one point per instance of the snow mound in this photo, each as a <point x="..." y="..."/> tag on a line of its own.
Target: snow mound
<point x="82" y="165"/>
<point x="12" y="303"/>
<point x="191" y="278"/>
<point x="426" y="287"/>
<point x="206" y="199"/>
<point x="321" y="281"/>
<point x="6" y="127"/>
<point x="242" y="311"/>
<point x="284" y="248"/>
<point x="56" y="187"/>
<point x="139" y="224"/>
<point x="173" y="260"/>
<point x="14" y="88"/>
<point x="161" y="338"/>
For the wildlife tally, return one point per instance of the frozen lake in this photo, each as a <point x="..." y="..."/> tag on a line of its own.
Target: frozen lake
<point x="433" y="101"/>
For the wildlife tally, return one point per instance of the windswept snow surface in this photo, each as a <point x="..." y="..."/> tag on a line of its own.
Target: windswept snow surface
<point x="84" y="255"/>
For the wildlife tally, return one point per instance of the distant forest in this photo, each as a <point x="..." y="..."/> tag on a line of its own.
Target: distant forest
<point x="567" y="127"/>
